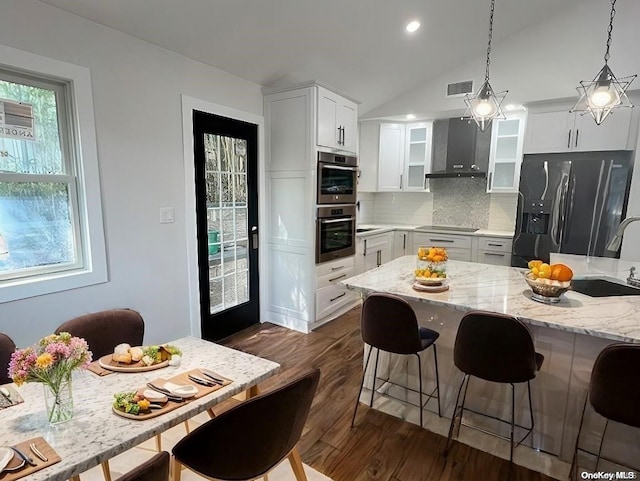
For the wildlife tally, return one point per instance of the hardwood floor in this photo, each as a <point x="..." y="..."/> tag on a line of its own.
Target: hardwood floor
<point x="380" y="447"/>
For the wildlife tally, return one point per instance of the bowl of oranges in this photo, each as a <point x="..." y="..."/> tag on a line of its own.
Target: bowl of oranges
<point x="548" y="281"/>
<point x="431" y="268"/>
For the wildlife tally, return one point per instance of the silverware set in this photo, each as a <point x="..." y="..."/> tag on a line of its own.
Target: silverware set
<point x="25" y="459"/>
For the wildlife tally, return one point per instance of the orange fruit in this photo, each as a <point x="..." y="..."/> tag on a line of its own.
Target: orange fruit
<point x="438" y="258"/>
<point x="561" y="272"/>
<point x="534" y="263"/>
<point x="434" y="275"/>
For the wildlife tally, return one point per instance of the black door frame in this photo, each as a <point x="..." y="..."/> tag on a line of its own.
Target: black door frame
<point x="220" y="325"/>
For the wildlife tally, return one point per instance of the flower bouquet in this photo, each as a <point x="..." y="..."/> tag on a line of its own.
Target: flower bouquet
<point x="51" y="362"/>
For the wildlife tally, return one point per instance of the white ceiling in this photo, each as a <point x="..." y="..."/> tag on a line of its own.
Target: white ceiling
<point x="357" y="46"/>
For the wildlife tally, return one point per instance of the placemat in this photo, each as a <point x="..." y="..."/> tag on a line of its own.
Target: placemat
<point x="43" y="447"/>
<point x="14" y="397"/>
<point x="181" y="379"/>
<point x="96" y="368"/>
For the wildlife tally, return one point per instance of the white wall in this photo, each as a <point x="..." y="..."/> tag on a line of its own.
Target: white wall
<point x="545" y="61"/>
<point x="136" y="89"/>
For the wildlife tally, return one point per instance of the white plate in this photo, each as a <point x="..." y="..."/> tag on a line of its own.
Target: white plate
<point x="432" y="281"/>
<point x="6" y="455"/>
<point x="154" y="396"/>
<point x="185" y="391"/>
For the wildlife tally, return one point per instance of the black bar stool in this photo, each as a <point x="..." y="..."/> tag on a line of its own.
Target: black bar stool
<point x="389" y="323"/>
<point x="614" y="392"/>
<point x="497" y="348"/>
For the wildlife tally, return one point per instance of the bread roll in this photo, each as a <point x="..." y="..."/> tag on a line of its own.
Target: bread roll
<point x="136" y="353"/>
<point x="124" y="358"/>
<point x="122" y="348"/>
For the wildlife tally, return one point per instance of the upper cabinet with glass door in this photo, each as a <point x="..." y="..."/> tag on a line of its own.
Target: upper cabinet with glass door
<point x="505" y="156"/>
<point x="404" y="157"/>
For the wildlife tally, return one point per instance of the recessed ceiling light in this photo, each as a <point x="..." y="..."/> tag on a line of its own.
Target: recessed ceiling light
<point x="510" y="107"/>
<point x="410" y="116"/>
<point x="413" y="26"/>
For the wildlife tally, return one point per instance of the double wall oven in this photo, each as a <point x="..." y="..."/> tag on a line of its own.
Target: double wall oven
<point x="336" y="213"/>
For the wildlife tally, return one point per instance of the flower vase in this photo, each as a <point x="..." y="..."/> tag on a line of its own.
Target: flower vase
<point x="59" y="401"/>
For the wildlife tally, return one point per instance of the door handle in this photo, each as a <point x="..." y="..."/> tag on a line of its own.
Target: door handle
<point x="254" y="237"/>
<point x="379" y="258"/>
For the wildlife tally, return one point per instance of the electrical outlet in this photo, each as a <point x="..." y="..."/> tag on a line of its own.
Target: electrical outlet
<point x="166" y="215"/>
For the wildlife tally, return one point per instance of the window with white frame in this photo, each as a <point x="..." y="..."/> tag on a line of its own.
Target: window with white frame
<point x="51" y="235"/>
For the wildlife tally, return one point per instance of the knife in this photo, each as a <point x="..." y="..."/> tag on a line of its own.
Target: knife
<point x="26" y="458"/>
<point x="203" y="382"/>
<point x="211" y="375"/>
<point x="166" y="392"/>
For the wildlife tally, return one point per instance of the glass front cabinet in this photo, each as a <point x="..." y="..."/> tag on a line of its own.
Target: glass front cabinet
<point x="505" y="156"/>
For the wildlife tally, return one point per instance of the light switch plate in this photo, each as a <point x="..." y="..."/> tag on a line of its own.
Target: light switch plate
<point x="166" y="215"/>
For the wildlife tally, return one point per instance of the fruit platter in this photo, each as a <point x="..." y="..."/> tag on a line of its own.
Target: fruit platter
<point x="431" y="268"/>
<point x="548" y="281"/>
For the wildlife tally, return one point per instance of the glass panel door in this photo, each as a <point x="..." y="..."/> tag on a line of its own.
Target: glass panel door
<point x="225" y="153"/>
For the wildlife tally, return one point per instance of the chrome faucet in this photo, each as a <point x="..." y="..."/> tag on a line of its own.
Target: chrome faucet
<point x="614" y="244"/>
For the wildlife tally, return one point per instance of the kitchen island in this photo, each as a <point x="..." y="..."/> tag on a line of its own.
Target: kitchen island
<point x="569" y="334"/>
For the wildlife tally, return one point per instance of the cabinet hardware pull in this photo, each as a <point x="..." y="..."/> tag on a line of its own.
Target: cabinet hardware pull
<point x="337" y="268"/>
<point x="493" y="254"/>
<point x="425" y="181"/>
<point x="365" y="248"/>
<point x="569" y="139"/>
<point x="379" y="258"/>
<point x="495" y="245"/>
<point x="577" y="135"/>
<point x="400" y="181"/>
<point x="336" y="278"/>
<point x="339" y="134"/>
<point x="490" y="181"/>
<point x="442" y="240"/>
<point x="404" y="242"/>
<point x="338" y="297"/>
<point x="343" y="135"/>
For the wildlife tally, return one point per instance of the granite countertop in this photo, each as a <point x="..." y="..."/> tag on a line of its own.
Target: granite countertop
<point x="503" y="289"/>
<point x="382" y="228"/>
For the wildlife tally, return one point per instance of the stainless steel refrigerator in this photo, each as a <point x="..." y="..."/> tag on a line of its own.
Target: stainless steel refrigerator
<point x="570" y="203"/>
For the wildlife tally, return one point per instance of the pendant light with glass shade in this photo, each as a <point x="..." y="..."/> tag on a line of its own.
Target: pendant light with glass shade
<point x="484" y="106"/>
<point x="605" y="92"/>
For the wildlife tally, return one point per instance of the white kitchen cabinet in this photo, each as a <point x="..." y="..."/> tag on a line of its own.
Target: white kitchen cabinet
<point x="494" y="250"/>
<point x="459" y="247"/>
<point x="404" y="157"/>
<point x="372" y="251"/>
<point x="331" y="295"/>
<point x="337" y="121"/>
<point x="562" y="131"/>
<point x="505" y="155"/>
<point x="402" y="243"/>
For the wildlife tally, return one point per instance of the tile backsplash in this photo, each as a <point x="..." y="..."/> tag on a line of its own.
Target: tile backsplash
<point x="461" y="202"/>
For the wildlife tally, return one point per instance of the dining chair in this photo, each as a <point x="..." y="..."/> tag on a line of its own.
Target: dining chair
<point x="104" y="330"/>
<point x="7" y="347"/>
<point x="155" y="469"/>
<point x="389" y="323"/>
<point x="496" y="348"/>
<point x="249" y="440"/>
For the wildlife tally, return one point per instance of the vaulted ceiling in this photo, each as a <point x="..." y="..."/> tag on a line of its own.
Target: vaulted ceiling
<point x="357" y="46"/>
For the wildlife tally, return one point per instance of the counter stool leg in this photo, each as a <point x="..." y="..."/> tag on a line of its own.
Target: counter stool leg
<point x="176" y="469"/>
<point x="435" y="360"/>
<point x="364" y="371"/>
<point x="106" y="471"/>
<point x="375" y="373"/>
<point x="604" y="431"/>
<point x="455" y="413"/>
<point x="573" y="473"/>
<point x="420" y="385"/>
<point x="513" y="420"/>
<point x="75" y="478"/>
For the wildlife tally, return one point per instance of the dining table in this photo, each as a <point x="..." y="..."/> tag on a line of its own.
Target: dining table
<point x="96" y="434"/>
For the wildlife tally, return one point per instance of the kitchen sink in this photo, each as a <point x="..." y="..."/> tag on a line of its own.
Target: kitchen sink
<point x="364" y="230"/>
<point x="598" y="287"/>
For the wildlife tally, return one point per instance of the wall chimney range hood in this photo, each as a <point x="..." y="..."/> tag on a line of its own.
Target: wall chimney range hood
<point x="459" y="149"/>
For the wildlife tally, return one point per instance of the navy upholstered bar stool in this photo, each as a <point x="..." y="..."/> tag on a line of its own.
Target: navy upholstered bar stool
<point x="389" y="324"/>
<point x="498" y="348"/>
<point x="614" y="393"/>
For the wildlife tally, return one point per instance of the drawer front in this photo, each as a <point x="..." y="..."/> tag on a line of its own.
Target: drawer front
<point x="331" y="298"/>
<point x="335" y="277"/>
<point x="456" y="254"/>
<point x="333" y="267"/>
<point x="494" y="258"/>
<point x="494" y="244"/>
<point x="440" y="240"/>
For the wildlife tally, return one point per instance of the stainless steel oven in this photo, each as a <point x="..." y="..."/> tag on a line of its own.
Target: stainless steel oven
<point x="335" y="232"/>
<point x="337" y="178"/>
